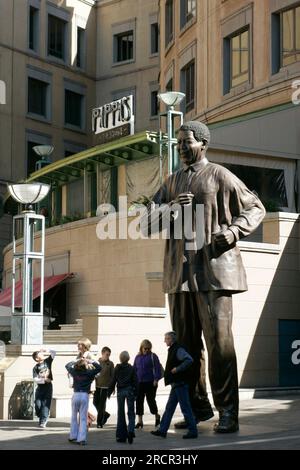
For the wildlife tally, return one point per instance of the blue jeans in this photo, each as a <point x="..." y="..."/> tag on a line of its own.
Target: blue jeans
<point x="125" y="395"/>
<point x="42" y="401"/>
<point x="80" y="404"/>
<point x="179" y="394"/>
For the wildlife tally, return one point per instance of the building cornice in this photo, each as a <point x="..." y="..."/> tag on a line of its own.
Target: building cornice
<point x="36" y="57"/>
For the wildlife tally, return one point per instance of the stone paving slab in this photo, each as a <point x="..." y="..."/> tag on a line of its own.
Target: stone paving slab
<point x="264" y="424"/>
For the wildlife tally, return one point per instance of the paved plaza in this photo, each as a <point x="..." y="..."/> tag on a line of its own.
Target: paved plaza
<point x="264" y="424"/>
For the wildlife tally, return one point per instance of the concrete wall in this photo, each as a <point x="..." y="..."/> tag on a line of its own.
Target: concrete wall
<point x="109" y="272"/>
<point x="114" y="272"/>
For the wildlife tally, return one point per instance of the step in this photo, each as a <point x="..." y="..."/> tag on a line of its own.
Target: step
<point x="61" y="340"/>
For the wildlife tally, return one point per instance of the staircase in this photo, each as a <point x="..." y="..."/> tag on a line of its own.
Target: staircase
<point x="68" y="334"/>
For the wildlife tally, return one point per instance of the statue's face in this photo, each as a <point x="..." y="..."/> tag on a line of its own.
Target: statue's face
<point x="188" y="147"/>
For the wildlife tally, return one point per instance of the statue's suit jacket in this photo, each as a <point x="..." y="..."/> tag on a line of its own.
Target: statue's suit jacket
<point x="227" y="204"/>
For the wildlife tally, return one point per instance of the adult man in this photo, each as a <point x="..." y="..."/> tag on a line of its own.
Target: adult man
<point x="200" y="281"/>
<point x="176" y="374"/>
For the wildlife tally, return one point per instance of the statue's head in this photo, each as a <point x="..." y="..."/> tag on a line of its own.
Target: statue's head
<point x="199" y="129"/>
<point x="193" y="141"/>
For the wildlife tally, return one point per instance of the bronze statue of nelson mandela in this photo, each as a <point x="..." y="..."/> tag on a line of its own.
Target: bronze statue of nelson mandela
<point x="200" y="281"/>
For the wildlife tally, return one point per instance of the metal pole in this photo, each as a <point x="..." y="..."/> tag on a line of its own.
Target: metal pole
<point x="170" y="146"/>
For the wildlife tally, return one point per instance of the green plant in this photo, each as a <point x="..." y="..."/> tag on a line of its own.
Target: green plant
<point x="142" y="200"/>
<point x="271" y="205"/>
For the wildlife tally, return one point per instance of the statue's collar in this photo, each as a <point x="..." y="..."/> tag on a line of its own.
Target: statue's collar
<point x="196" y="166"/>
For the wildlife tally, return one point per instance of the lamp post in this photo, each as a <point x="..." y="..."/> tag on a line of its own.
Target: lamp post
<point x="27" y="324"/>
<point x="43" y="151"/>
<point x="171" y="99"/>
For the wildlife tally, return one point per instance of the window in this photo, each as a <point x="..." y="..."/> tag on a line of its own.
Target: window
<point x="187" y="11"/>
<point x="32" y="157"/>
<point x="154" y="38"/>
<point x="268" y="183"/>
<point x="169" y="32"/>
<point x="56" y="37"/>
<point x="188" y="82"/>
<point x="169" y="85"/>
<point x="80" y="47"/>
<point x="290" y="36"/>
<point x="33" y="28"/>
<point x="70" y="148"/>
<point x="239" y="59"/>
<point x="33" y="139"/>
<point x="154" y="103"/>
<point x="73" y="108"/>
<point x="37" y="97"/>
<point x="124" y="46"/>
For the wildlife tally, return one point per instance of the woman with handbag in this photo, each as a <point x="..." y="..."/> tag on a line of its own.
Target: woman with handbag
<point x="149" y="372"/>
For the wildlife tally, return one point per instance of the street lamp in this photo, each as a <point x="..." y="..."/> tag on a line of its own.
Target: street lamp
<point x="43" y="151"/>
<point x="27" y="325"/>
<point x="171" y="99"/>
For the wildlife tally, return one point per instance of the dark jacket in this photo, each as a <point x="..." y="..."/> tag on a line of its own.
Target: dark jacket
<point x="82" y="379"/>
<point x="179" y="358"/>
<point x="124" y="377"/>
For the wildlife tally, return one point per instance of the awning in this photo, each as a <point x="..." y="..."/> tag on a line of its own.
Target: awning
<point x="139" y="146"/>
<point x="49" y="283"/>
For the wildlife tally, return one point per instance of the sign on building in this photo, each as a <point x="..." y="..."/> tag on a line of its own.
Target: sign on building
<point x="114" y="120"/>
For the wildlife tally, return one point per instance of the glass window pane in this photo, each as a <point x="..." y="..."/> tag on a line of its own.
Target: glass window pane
<point x="73" y="109"/>
<point x="245" y="40"/>
<point x="288" y="59"/>
<point x="244" y="61"/>
<point x="298" y="28"/>
<point x="288" y="30"/>
<point x="235" y="63"/>
<point x="236" y="42"/>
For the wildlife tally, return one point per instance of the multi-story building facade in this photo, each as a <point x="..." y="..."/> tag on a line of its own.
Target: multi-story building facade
<point x="237" y="61"/>
<point x="59" y="60"/>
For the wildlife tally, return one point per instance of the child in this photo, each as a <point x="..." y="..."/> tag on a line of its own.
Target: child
<point x="103" y="380"/>
<point x="84" y="346"/>
<point x="126" y="381"/>
<point x="83" y="376"/>
<point x="42" y="376"/>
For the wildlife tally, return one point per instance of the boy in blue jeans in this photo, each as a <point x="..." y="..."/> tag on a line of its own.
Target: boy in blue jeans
<point x="126" y="380"/>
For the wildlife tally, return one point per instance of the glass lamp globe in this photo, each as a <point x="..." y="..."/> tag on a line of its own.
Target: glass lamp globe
<point x="28" y="193"/>
<point x="171" y="98"/>
<point x="43" y="150"/>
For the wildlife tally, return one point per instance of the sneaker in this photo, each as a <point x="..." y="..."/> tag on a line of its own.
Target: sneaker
<point x="42" y="425"/>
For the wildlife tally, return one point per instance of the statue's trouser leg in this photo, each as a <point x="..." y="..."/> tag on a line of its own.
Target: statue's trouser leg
<point x="186" y="322"/>
<point x="215" y="315"/>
